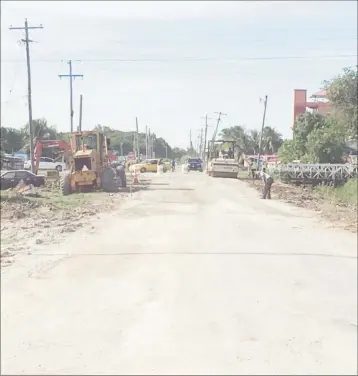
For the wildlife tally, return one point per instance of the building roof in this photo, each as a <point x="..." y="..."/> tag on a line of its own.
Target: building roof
<point x="320" y="94"/>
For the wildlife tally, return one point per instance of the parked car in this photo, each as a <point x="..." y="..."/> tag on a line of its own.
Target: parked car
<point x="47" y="164"/>
<point x="10" y="179"/>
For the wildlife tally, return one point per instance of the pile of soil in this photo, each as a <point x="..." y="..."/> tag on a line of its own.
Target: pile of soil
<point x="340" y="214"/>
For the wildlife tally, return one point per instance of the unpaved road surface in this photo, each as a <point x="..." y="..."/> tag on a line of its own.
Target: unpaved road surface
<point x="194" y="275"/>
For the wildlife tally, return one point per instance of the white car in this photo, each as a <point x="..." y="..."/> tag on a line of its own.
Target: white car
<point x="47" y="164"/>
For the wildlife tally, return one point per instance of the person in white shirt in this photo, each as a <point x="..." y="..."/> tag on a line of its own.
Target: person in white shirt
<point x="268" y="181"/>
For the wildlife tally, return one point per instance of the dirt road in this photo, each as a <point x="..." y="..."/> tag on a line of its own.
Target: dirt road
<point x="193" y="276"/>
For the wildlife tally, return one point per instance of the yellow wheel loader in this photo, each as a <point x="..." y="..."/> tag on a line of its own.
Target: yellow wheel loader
<point x="90" y="165"/>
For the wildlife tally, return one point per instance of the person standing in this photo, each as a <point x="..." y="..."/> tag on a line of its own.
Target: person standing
<point x="253" y="168"/>
<point x="268" y="181"/>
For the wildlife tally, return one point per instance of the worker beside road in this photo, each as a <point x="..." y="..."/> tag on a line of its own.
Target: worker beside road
<point x="173" y="164"/>
<point x="268" y="181"/>
<point x="253" y="168"/>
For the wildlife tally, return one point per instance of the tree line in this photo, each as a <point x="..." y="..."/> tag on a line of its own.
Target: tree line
<point x="13" y="140"/>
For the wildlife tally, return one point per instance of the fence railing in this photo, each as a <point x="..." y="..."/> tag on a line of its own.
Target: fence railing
<point x="315" y="173"/>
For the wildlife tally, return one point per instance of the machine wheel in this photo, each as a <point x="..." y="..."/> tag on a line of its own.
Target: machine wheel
<point x="108" y="180"/>
<point x="58" y="168"/>
<point x="65" y="184"/>
<point x="143" y="170"/>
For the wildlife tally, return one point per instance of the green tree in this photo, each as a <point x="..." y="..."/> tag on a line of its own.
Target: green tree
<point x="289" y="151"/>
<point x="41" y="130"/>
<point x="271" y="140"/>
<point x="316" y="139"/>
<point x="239" y="134"/>
<point x="254" y="141"/>
<point x="342" y="91"/>
<point x="325" y="144"/>
<point x="11" y="139"/>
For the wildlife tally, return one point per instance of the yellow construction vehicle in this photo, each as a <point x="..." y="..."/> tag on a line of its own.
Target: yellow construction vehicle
<point x="89" y="165"/>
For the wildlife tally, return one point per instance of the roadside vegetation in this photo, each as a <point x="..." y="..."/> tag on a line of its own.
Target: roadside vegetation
<point x="344" y="195"/>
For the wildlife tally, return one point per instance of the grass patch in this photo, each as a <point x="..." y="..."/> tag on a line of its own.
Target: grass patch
<point x="346" y="194"/>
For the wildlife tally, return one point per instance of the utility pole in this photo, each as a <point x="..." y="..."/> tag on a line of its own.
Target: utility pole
<point x="137" y="136"/>
<point x="152" y="146"/>
<point x="166" y="151"/>
<point x="27" y="41"/>
<point x="121" y="149"/>
<point x="217" y="124"/>
<point x="205" y="135"/>
<point x="146" y="142"/>
<point x="201" y="143"/>
<point x="262" y="131"/>
<point x="71" y="77"/>
<point x="80" y="121"/>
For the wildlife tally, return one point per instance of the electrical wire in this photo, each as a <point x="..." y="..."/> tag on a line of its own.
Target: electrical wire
<point x="193" y="59"/>
<point x="10" y="92"/>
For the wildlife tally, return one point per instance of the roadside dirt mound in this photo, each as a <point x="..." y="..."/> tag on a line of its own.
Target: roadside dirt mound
<point x="47" y="217"/>
<point x="340" y="214"/>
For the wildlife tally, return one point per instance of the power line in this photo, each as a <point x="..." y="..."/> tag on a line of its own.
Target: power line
<point x="71" y="76"/>
<point x="27" y="41"/>
<point x="193" y="59"/>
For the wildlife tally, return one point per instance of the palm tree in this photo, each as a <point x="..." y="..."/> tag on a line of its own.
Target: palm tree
<point x="271" y="140"/>
<point x="254" y="141"/>
<point x="237" y="133"/>
<point x="41" y="130"/>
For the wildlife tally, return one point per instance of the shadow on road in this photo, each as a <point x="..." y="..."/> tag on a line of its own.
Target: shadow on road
<point x="135" y="188"/>
<point x="171" y="189"/>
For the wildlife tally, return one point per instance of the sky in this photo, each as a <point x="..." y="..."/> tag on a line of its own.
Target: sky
<point x="169" y="63"/>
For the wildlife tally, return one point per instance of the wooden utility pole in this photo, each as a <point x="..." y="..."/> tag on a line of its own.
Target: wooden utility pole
<point x="205" y="136"/>
<point x="262" y="132"/>
<point x="146" y="142"/>
<point x="27" y="41"/>
<point x="71" y="77"/>
<point x="201" y="143"/>
<point x="137" y="137"/>
<point x="80" y="121"/>
<point x="217" y="124"/>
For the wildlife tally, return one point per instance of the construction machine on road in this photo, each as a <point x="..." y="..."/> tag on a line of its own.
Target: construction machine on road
<point x="221" y="159"/>
<point x="90" y="166"/>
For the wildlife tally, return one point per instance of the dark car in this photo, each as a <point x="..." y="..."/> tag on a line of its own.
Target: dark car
<point x="10" y="179"/>
<point x="195" y="164"/>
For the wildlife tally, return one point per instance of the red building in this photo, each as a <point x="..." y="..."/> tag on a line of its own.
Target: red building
<point x="318" y="102"/>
